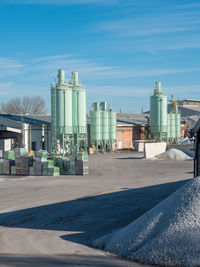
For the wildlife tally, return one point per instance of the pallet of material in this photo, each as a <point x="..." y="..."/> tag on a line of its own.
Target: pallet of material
<point x="32" y="171"/>
<point x="20" y="152"/>
<point x="82" y="171"/>
<point x="7" y="164"/>
<point x="9" y="155"/>
<point x="81" y="163"/>
<point x="1" y="167"/>
<point x="22" y="166"/>
<point x="48" y="164"/>
<point x="53" y="171"/>
<point x="38" y="168"/>
<point x="82" y="156"/>
<point x="13" y="170"/>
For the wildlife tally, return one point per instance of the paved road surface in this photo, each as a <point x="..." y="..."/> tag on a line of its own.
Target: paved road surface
<point x="52" y="221"/>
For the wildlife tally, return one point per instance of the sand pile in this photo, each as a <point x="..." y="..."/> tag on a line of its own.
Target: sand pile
<point x="168" y="234"/>
<point x="173" y="154"/>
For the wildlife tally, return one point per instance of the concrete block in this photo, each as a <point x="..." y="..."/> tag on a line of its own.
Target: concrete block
<point x="153" y="149"/>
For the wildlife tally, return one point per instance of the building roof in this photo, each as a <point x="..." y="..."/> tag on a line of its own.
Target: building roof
<point x="5" y="123"/>
<point x="29" y="119"/>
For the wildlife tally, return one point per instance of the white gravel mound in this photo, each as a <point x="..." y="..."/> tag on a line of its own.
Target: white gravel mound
<point x="168" y="234"/>
<point x="174" y="154"/>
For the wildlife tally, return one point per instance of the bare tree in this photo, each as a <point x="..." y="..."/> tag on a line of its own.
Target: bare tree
<point x="28" y="105"/>
<point x="38" y="105"/>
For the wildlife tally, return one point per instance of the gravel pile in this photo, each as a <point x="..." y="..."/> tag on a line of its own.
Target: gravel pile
<point x="168" y="234"/>
<point x="174" y="154"/>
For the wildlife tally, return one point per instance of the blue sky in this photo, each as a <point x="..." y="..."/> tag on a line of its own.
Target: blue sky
<point x="120" y="48"/>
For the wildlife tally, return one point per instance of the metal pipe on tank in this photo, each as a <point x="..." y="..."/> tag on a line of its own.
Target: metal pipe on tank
<point x="61" y="77"/>
<point x="158" y="87"/>
<point x="75" y="77"/>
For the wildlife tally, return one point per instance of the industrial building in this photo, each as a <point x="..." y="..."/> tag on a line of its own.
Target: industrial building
<point x="29" y="131"/>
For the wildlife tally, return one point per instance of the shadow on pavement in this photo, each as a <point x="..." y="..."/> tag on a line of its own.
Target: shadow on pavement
<point x="91" y="217"/>
<point x="142" y="157"/>
<point x="19" y="260"/>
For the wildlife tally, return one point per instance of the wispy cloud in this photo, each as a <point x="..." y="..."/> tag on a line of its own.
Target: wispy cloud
<point x="10" y="66"/>
<point x="59" y="2"/>
<point x="53" y="57"/>
<point x="6" y="89"/>
<point x="7" y="63"/>
<point x="91" y="70"/>
<point x="152" y="24"/>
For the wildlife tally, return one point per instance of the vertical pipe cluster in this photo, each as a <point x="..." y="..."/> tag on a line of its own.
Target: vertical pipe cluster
<point x="68" y="115"/>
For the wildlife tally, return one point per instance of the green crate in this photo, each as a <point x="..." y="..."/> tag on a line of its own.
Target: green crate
<point x="82" y="156"/>
<point x="48" y="164"/>
<point x="9" y="155"/>
<point x="32" y="171"/>
<point x="13" y="170"/>
<point x="42" y="154"/>
<point x="1" y="167"/>
<point x="53" y="171"/>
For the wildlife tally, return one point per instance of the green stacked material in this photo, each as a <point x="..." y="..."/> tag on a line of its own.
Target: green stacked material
<point x="81" y="163"/>
<point x="59" y="162"/>
<point x="66" y="165"/>
<point x="7" y="164"/>
<point x="32" y="171"/>
<point x="20" y="152"/>
<point x="22" y="166"/>
<point x="42" y="154"/>
<point x="53" y="171"/>
<point x="45" y="171"/>
<point x="82" y="171"/>
<point x="9" y="155"/>
<point x="82" y="167"/>
<point x="38" y="168"/>
<point x="48" y="164"/>
<point x="13" y="170"/>
<point x="82" y="156"/>
<point x="1" y="167"/>
<point x="72" y="167"/>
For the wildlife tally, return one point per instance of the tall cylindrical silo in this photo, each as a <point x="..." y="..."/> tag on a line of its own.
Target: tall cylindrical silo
<point x="53" y="117"/>
<point x="113" y="126"/>
<point x="75" y="110"/>
<point x="81" y="100"/>
<point x="158" y="114"/>
<point x="169" y="127"/>
<point x="104" y="121"/>
<point x="59" y="110"/>
<point x="178" y="126"/>
<point x="95" y="129"/>
<point x="67" y="112"/>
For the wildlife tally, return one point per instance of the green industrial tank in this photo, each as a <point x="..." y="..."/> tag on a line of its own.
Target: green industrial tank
<point x="174" y="126"/>
<point x="103" y="130"/>
<point x="63" y="105"/>
<point x="95" y="133"/>
<point x="105" y="121"/>
<point x="74" y="103"/>
<point x="113" y="126"/>
<point x="79" y="105"/>
<point x="68" y="111"/>
<point x="158" y="114"/>
<point x="53" y="116"/>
